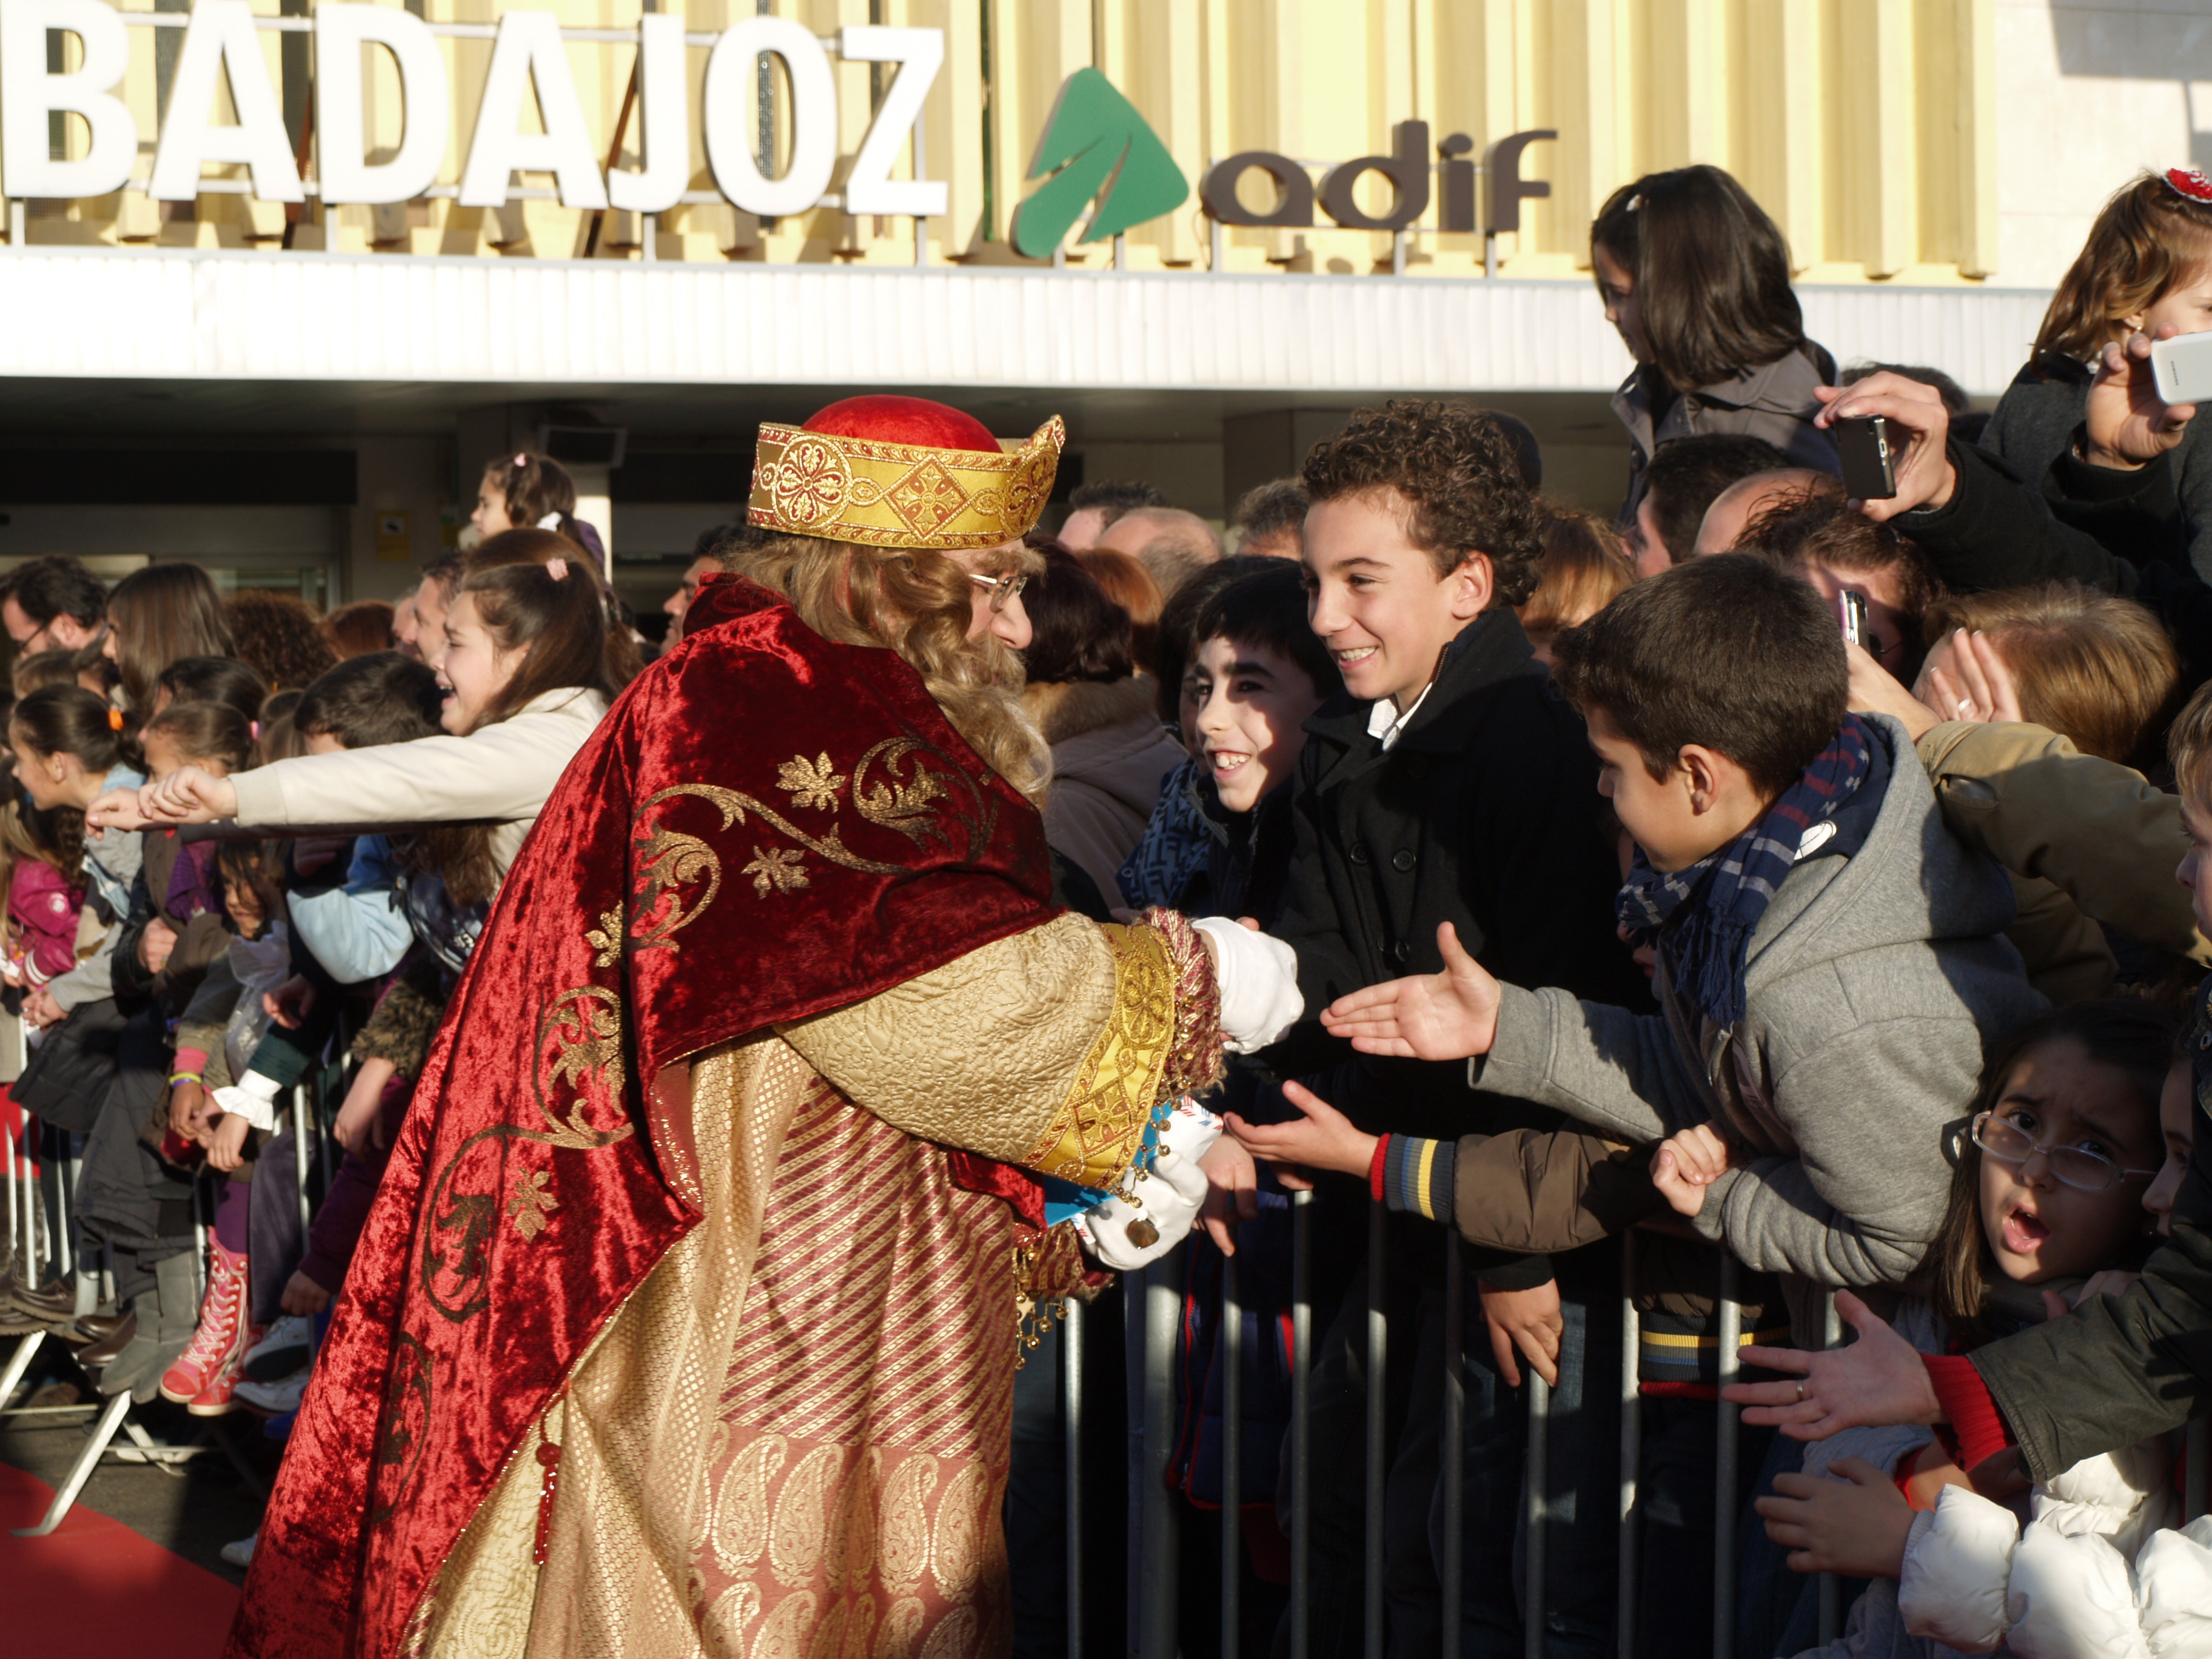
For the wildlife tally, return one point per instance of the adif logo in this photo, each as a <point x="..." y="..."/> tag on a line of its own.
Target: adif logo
<point x="1102" y="148"/>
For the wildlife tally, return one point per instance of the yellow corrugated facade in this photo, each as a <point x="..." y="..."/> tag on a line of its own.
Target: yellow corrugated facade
<point x="1866" y="127"/>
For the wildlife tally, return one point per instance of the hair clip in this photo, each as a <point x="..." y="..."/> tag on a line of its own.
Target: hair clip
<point x="521" y="460"/>
<point x="114" y="718"/>
<point x="253" y="727"/>
<point x="2190" y="184"/>
<point x="1635" y="204"/>
<point x="550" y="521"/>
<point x="558" y="569"/>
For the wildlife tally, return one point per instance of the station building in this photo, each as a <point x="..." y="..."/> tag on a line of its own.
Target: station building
<point x="280" y="276"/>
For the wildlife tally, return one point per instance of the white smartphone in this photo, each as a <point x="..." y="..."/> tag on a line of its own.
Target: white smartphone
<point x="2183" y="369"/>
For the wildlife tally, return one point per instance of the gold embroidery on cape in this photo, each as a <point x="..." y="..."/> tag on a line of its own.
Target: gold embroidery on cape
<point x="1094" y="1135"/>
<point x="606" y="938"/>
<point x="890" y="787"/>
<point x="528" y="1203"/>
<point x="811" y="783"/>
<point x="582" y="1028"/>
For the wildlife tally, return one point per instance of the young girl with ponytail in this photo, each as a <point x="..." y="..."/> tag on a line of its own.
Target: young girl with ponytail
<point x="525" y="681"/>
<point x="525" y="490"/>
<point x="69" y="752"/>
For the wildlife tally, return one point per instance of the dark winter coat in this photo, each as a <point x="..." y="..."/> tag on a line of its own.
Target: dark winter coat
<point x="1485" y="814"/>
<point x="2033" y="432"/>
<point x="1774" y="402"/>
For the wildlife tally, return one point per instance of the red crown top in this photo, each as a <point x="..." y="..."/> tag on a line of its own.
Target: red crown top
<point x="887" y="418"/>
<point x="2191" y="183"/>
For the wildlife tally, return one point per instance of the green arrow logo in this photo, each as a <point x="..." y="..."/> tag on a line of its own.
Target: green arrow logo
<point x="1102" y="148"/>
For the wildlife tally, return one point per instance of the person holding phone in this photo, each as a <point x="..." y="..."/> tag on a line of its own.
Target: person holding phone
<point x="1696" y="277"/>
<point x="2146" y="270"/>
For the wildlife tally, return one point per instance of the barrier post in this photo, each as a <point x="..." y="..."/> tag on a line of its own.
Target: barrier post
<point x="1378" y="1334"/>
<point x="1301" y="1425"/>
<point x="1632" y="1447"/>
<point x="1232" y="1455"/>
<point x="1454" y="1442"/>
<point x="2196" y="1469"/>
<point x="1725" y="1477"/>
<point x="1538" y="1484"/>
<point x="1071" y="1382"/>
<point x="300" y="1150"/>
<point x="1162" y="1294"/>
<point x="1831" y="1587"/>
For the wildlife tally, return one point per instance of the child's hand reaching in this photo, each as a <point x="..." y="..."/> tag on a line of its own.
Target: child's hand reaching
<point x="226" y="1142"/>
<point x="40" y="1010"/>
<point x="290" y="1003"/>
<point x="1324" y="1139"/>
<point x="1231" y="1193"/>
<point x="303" y="1296"/>
<point x="357" y="1126"/>
<point x="1856" y="1525"/>
<point x="1686" y="1164"/>
<point x="1448" y="1016"/>
<point x="187" y="1102"/>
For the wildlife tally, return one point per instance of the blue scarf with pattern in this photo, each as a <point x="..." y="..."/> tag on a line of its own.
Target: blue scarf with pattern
<point x="1715" y="905"/>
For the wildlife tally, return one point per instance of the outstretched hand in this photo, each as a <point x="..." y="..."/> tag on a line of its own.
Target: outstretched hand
<point x="1452" y="1015"/>
<point x="188" y="795"/>
<point x="1878" y="1380"/>
<point x="1323" y="1138"/>
<point x="115" y="810"/>
<point x="1853" y="1519"/>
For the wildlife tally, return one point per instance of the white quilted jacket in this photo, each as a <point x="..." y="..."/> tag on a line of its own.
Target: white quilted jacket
<point x="2097" y="1573"/>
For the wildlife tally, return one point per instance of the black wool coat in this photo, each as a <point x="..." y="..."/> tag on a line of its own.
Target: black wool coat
<point x="1485" y="813"/>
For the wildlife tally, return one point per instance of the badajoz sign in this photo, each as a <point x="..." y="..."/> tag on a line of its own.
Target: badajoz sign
<point x="528" y="62"/>
<point x="1095" y="147"/>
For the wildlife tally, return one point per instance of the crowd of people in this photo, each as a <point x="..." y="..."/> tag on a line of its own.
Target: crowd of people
<point x="1761" y="893"/>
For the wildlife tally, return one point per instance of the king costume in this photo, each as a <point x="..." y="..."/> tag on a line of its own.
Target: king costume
<point x="684" y="1320"/>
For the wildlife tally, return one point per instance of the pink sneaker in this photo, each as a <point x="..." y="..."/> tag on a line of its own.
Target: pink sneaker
<point x="219" y="1398"/>
<point x="216" y="1343"/>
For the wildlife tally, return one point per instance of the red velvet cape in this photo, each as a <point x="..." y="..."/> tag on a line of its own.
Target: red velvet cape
<point x="536" y="1183"/>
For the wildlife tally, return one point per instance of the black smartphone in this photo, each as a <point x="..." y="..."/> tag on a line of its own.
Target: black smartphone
<point x="1863" y="444"/>
<point x="1855" y="618"/>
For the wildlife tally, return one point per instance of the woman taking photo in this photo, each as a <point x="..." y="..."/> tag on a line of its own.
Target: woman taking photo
<point x="1696" y="277"/>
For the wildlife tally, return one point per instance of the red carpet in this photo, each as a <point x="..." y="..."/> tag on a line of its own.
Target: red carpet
<point x="98" y="1590"/>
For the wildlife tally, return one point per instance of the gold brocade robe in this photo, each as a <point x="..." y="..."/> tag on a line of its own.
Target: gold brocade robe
<point x="792" y="1440"/>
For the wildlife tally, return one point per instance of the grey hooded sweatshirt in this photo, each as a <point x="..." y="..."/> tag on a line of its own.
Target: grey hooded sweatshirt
<point x="1872" y="984"/>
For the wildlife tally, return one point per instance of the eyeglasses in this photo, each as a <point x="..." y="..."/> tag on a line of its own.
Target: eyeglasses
<point x="1003" y="588"/>
<point x="2075" y="1166"/>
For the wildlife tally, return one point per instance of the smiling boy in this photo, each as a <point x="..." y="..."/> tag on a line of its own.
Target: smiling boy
<point x="1449" y="783"/>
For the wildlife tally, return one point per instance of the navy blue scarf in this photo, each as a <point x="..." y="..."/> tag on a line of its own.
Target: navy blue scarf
<point x="1715" y="903"/>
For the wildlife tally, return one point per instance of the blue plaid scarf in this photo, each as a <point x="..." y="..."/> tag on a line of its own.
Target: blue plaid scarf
<point x="1715" y="903"/>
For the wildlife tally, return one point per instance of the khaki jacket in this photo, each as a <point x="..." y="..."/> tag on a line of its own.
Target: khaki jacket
<point x="2086" y="840"/>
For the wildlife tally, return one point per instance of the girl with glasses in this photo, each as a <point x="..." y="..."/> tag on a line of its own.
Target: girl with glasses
<point x="2062" y="1179"/>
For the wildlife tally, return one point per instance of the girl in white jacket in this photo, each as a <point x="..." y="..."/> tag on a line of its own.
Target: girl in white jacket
<point x="2071" y="1161"/>
<point x="523" y="673"/>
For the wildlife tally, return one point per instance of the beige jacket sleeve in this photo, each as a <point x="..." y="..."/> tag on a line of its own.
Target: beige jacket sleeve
<point x="504" y="772"/>
<point x="2095" y="830"/>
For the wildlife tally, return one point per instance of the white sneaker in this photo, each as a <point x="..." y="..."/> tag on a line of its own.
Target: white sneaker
<point x="275" y="1399"/>
<point x="290" y="1342"/>
<point x="240" y="1554"/>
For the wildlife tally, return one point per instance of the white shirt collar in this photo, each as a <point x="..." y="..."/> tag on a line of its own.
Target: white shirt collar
<point x="1384" y="722"/>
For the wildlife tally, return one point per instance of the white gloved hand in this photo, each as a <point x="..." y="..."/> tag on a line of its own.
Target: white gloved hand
<point x="252" y="1097"/>
<point x="1124" y="1236"/>
<point x="1259" y="978"/>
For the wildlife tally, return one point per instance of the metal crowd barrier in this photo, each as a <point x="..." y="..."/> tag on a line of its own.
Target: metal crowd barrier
<point x="1153" y="1304"/>
<point x="41" y="1210"/>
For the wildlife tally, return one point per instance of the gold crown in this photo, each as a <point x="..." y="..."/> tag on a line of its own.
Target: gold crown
<point x="889" y="495"/>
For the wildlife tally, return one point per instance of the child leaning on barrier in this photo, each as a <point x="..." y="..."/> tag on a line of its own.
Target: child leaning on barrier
<point x="2115" y="1370"/>
<point x="1829" y="967"/>
<point x="2069" y="1165"/>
